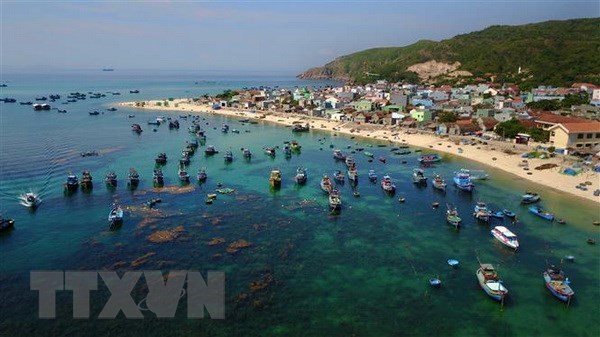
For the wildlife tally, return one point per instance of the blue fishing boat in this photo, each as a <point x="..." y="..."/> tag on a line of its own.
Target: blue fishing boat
<point x="557" y="283"/>
<point x="463" y="181"/>
<point x="497" y="214"/>
<point x="537" y="210"/>
<point x="72" y="182"/>
<point x="508" y="213"/>
<point x="372" y="176"/>
<point x="530" y="198"/>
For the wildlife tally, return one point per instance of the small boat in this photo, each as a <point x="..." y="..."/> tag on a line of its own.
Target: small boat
<point x="326" y="184"/>
<point x="352" y="174"/>
<point x="134" y="177"/>
<point x="505" y="236"/>
<point x="6" y="224"/>
<point x="157" y="178"/>
<point x="335" y="202"/>
<point x="134" y="91"/>
<point x="387" y="185"/>
<point x="537" y="210"/>
<point x="210" y="150"/>
<point x="72" y="182"/>
<point x="497" y="214"/>
<point x="350" y="161"/>
<point x="300" y="176"/>
<point x="183" y="175"/>
<point x="193" y="143"/>
<point x="339" y="177"/>
<point x="111" y="178"/>
<point x="295" y="146"/>
<point x="369" y="154"/>
<point x="43" y="98"/>
<point x="452" y="217"/>
<point x="558" y="285"/>
<point x="287" y="151"/>
<point x="111" y="109"/>
<point x="270" y="151"/>
<point x="372" y="176"/>
<point x="275" y="178"/>
<point x="508" y="213"/>
<point x="89" y="154"/>
<point x="475" y="174"/>
<point x="174" y="124"/>
<point x="382" y="159"/>
<point x="38" y="107"/>
<point x="115" y="216"/>
<point x="26" y="103"/>
<point x="530" y="198"/>
<point x="490" y="282"/>
<point x="225" y="128"/>
<point x="463" y="181"/>
<point x="161" y="159"/>
<point x="154" y="122"/>
<point x="185" y="160"/>
<point x="94" y="113"/>
<point x="202" y="175"/>
<point x="247" y="154"/>
<point x="428" y="159"/>
<point x="86" y="180"/>
<point x="62" y="111"/>
<point x="301" y="128"/>
<point x="30" y="200"/>
<point x="453" y="263"/>
<point x="419" y="176"/>
<point x="338" y="155"/>
<point x="439" y="183"/>
<point x="228" y="156"/>
<point x="435" y="282"/>
<point x="481" y="211"/>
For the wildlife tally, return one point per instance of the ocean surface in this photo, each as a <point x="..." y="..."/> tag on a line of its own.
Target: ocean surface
<point x="308" y="272"/>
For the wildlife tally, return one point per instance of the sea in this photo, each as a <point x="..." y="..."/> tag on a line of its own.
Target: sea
<point x="307" y="271"/>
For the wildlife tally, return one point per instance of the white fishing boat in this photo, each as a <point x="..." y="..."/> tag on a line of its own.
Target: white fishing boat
<point x="505" y="236"/>
<point x="476" y="174"/>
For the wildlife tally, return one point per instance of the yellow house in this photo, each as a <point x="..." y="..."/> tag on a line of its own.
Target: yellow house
<point x="575" y="135"/>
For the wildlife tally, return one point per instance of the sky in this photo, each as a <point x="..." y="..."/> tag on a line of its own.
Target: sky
<point x="257" y="35"/>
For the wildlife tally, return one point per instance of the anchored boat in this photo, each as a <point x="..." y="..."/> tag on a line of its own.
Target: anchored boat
<point x="557" y="283"/>
<point x="490" y="282"/>
<point x="539" y="211"/>
<point x="463" y="181"/>
<point x="505" y="236"/>
<point x="275" y="178"/>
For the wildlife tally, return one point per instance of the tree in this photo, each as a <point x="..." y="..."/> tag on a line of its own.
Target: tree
<point x="447" y="117"/>
<point x="509" y="129"/>
<point x="545" y="104"/>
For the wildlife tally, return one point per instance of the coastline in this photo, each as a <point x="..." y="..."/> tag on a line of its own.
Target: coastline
<point x="483" y="154"/>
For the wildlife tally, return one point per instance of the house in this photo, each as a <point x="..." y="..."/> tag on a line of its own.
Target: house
<point x="393" y="108"/>
<point x="422" y="101"/>
<point x="332" y="103"/>
<point x="465" y="126"/>
<point x="361" y="117"/>
<point x="545" y="120"/>
<point x="487" y="123"/>
<point x="421" y="115"/>
<point x="575" y="135"/>
<point x="485" y="112"/>
<point x="398" y="98"/>
<point x="363" y="105"/>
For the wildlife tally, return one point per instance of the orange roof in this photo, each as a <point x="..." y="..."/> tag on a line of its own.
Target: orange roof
<point x="582" y="127"/>
<point x="555" y="119"/>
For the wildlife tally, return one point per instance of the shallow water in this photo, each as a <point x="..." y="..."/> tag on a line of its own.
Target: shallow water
<point x="363" y="271"/>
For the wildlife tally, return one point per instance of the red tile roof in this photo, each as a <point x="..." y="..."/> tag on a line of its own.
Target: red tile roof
<point x="547" y="117"/>
<point x="582" y="127"/>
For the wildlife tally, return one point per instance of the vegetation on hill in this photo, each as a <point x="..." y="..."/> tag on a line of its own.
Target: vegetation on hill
<point x="511" y="128"/>
<point x="551" y="53"/>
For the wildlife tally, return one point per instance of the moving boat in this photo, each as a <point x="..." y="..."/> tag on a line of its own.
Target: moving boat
<point x="6" y="224"/>
<point x="270" y="151"/>
<point x="300" y="176"/>
<point x="161" y="159"/>
<point x="539" y="211"/>
<point x="505" y="236"/>
<point x="558" y="285"/>
<point x="530" y="198"/>
<point x="72" y="182"/>
<point x="463" y="181"/>
<point x="247" y="154"/>
<point x="210" y="150"/>
<point x="387" y="185"/>
<point x="111" y="179"/>
<point x="183" y="175"/>
<point x="115" y="216"/>
<point x="481" y="211"/>
<point x="134" y="177"/>
<point x="439" y="183"/>
<point x="339" y="177"/>
<point x="275" y="178"/>
<point x="30" y="200"/>
<point x="419" y="176"/>
<point x="335" y="202"/>
<point x="452" y="216"/>
<point x="86" y="180"/>
<point x="39" y="107"/>
<point x="476" y="174"/>
<point x="338" y="155"/>
<point x="94" y="113"/>
<point x="202" y="175"/>
<point x="372" y="176"/>
<point x="228" y="156"/>
<point x="490" y="282"/>
<point x="157" y="178"/>
<point x="326" y="184"/>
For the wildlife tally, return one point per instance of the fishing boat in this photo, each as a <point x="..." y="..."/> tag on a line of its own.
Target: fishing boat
<point x="275" y="178"/>
<point x="300" y="176"/>
<point x="558" y="285"/>
<point x="387" y="185"/>
<point x="326" y="184"/>
<point x="428" y="159"/>
<point x="537" y="210"/>
<point x="247" y="154"/>
<point x="490" y="282"/>
<point x="349" y="161"/>
<point x="353" y="174"/>
<point x="185" y="160"/>
<point x="481" y="211"/>
<point x="452" y="216"/>
<point x="295" y="146"/>
<point x="202" y="175"/>
<point x="497" y="214"/>
<point x="335" y="202"/>
<point x="6" y="224"/>
<point x="368" y="154"/>
<point x="530" y="198"/>
<point x="287" y="151"/>
<point x="136" y="128"/>
<point x="111" y="178"/>
<point x="86" y="180"/>
<point x="224" y="128"/>
<point x="115" y="216"/>
<point x="134" y="177"/>
<point x="339" y="177"/>
<point x="161" y="159"/>
<point x="372" y="176"/>
<point x="419" y="176"/>
<point x="301" y="128"/>
<point x="193" y="143"/>
<point x="439" y="183"/>
<point x="195" y="128"/>
<point x="94" y="113"/>
<point x="30" y="200"/>
<point x="338" y="155"/>
<point x="174" y="124"/>
<point x="463" y="181"/>
<point x="505" y="236"/>
<point x="270" y="151"/>
<point x="228" y="156"/>
<point x="72" y="182"/>
<point x="184" y="177"/>
<point x="508" y="213"/>
<point x="157" y="178"/>
<point x="210" y="150"/>
<point x="476" y="174"/>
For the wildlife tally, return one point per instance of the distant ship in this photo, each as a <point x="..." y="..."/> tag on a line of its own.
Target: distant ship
<point x="108" y="69"/>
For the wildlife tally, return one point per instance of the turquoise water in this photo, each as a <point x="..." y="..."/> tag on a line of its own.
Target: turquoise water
<point x="361" y="272"/>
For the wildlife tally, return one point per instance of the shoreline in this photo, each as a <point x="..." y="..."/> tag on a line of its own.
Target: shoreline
<point x="484" y="154"/>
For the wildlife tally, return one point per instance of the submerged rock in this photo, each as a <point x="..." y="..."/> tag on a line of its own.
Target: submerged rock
<point x="165" y="235"/>
<point x="142" y="259"/>
<point x="215" y="241"/>
<point x="235" y="246"/>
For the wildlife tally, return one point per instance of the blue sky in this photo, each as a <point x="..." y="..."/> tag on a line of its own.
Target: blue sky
<point x="286" y="36"/>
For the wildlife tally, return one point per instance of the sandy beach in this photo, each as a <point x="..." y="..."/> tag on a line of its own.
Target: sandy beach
<point x="493" y="154"/>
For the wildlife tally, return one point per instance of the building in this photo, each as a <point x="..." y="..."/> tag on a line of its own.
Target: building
<point x="575" y="135"/>
<point x="421" y="115"/>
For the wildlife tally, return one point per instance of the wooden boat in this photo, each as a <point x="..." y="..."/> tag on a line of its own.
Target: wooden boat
<point x="463" y="181"/>
<point x="247" y="154"/>
<point x="134" y="177"/>
<point x="174" y="124"/>
<point x="202" y="175"/>
<point x="537" y="210"/>
<point x="368" y="154"/>
<point x="490" y="282"/>
<point x="530" y="198"/>
<point x="476" y="174"/>
<point x="349" y="161"/>
<point x="224" y="128"/>
<point x="111" y="178"/>
<point x="295" y="146"/>
<point x="136" y="128"/>
<point x="157" y="178"/>
<point x="72" y="182"/>
<point x="506" y="237"/>
<point x="353" y="174"/>
<point x="439" y="183"/>
<point x="6" y="224"/>
<point x="372" y="176"/>
<point x="452" y="217"/>
<point x="338" y="155"/>
<point x="210" y="150"/>
<point x="161" y="159"/>
<point x="300" y="176"/>
<point x="326" y="184"/>
<point x="557" y="283"/>
<point x="428" y="159"/>
<point x="184" y="177"/>
<point x="275" y="178"/>
<point x="508" y="213"/>
<point x="339" y="177"/>
<point x="86" y="180"/>
<point x="419" y="176"/>
<point x="115" y="216"/>
<point x="481" y="211"/>
<point x="335" y="202"/>
<point x="387" y="185"/>
<point x="270" y="151"/>
<point x="228" y="156"/>
<point x="287" y="151"/>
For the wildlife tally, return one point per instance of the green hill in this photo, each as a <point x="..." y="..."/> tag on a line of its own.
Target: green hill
<point x="552" y="52"/>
